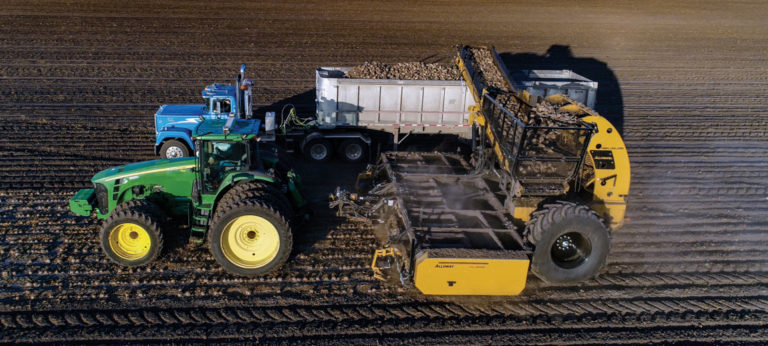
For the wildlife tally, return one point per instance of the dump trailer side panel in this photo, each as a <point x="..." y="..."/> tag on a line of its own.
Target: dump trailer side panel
<point x="427" y="106"/>
<point x="387" y="104"/>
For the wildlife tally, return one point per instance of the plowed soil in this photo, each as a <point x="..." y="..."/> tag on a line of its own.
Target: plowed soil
<point x="685" y="83"/>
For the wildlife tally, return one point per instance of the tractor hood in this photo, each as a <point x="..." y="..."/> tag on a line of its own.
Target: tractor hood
<point x="134" y="170"/>
<point x="186" y="110"/>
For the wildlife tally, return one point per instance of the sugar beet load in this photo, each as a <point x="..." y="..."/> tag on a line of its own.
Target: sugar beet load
<point x="235" y="191"/>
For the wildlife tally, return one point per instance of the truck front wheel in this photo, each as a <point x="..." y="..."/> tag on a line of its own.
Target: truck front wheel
<point x="173" y="148"/>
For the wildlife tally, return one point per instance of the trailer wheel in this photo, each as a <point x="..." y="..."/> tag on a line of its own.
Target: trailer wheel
<point x="318" y="150"/>
<point x="173" y="148"/>
<point x="353" y="150"/>
<point x="570" y="240"/>
<point x="250" y="238"/>
<point x="132" y="235"/>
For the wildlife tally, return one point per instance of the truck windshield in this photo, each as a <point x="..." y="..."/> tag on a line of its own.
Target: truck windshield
<point x="226" y="106"/>
<point x="219" y="158"/>
<point x="222" y="105"/>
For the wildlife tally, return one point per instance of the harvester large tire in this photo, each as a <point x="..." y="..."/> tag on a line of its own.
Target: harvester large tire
<point x="250" y="238"/>
<point x="133" y="234"/>
<point x="570" y="242"/>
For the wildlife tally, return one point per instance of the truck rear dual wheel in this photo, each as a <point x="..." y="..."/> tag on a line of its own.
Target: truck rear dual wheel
<point x="132" y="235"/>
<point x="350" y="150"/>
<point x="250" y="238"/>
<point x="318" y="150"/>
<point x="570" y="242"/>
<point x="353" y="150"/>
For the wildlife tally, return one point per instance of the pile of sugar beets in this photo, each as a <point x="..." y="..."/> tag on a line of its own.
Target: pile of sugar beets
<point x="538" y="142"/>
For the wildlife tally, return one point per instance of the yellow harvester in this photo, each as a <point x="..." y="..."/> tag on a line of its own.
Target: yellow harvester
<point x="536" y="195"/>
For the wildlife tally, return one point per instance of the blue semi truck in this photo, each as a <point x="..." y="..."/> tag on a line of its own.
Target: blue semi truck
<point x="174" y="124"/>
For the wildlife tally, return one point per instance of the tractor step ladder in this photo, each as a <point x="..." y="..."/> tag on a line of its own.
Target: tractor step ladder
<point x="199" y="223"/>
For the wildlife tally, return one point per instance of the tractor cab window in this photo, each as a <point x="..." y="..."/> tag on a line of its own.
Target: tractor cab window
<point x="222" y="106"/>
<point x="218" y="159"/>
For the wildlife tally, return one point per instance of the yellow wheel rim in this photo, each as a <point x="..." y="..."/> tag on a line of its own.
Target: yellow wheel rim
<point x="250" y="241"/>
<point x="129" y="241"/>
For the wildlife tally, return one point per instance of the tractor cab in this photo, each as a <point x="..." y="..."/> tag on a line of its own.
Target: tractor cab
<point x="224" y="147"/>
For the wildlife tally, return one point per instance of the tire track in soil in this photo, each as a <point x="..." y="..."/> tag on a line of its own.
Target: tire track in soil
<point x="352" y="321"/>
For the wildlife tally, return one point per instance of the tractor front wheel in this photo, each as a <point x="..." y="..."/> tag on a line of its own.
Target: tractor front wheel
<point x="570" y="242"/>
<point x="250" y="238"/>
<point x="132" y="235"/>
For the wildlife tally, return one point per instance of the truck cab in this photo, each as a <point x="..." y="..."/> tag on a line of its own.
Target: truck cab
<point x="174" y="124"/>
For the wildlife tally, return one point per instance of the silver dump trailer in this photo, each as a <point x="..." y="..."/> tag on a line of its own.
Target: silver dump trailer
<point x="427" y="106"/>
<point x="352" y="113"/>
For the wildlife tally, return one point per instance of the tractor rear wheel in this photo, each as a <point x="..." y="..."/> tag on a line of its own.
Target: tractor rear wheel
<point x="570" y="242"/>
<point x="259" y="190"/>
<point x="132" y="235"/>
<point x="250" y="238"/>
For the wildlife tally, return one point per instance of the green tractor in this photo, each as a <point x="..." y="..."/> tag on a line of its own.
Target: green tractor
<point x="235" y="191"/>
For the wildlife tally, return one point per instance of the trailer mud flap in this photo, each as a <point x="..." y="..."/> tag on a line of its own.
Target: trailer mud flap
<point x="470" y="272"/>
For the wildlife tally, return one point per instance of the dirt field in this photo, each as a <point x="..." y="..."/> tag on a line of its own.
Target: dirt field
<point x="79" y="84"/>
